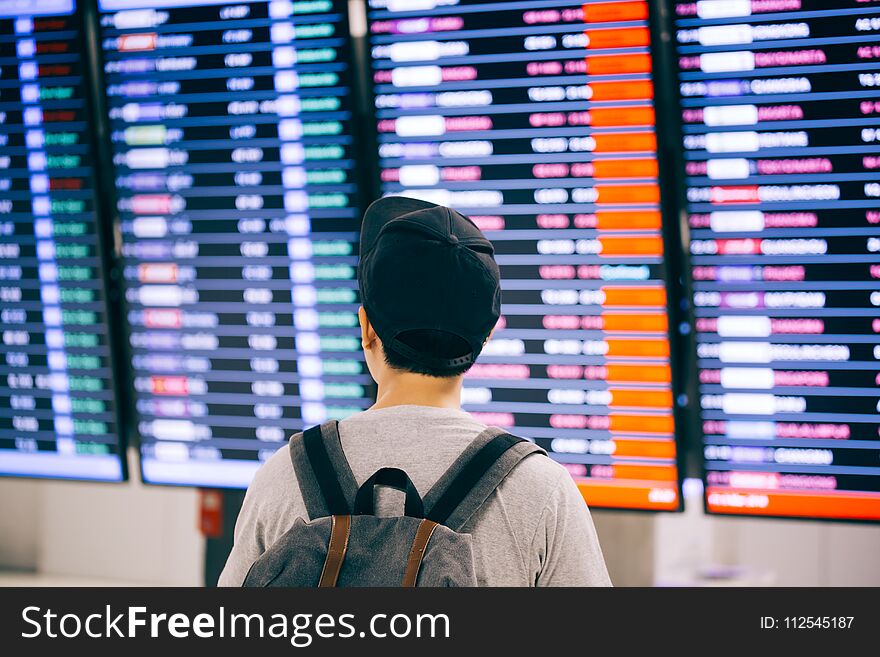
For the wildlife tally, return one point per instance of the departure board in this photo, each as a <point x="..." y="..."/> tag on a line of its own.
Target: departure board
<point x="232" y="144"/>
<point x="781" y="114"/>
<point x="57" y="408"/>
<point x="536" y="119"/>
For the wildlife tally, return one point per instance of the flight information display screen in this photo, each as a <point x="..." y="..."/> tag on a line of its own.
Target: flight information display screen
<point x="781" y="114"/>
<point x="57" y="408"/>
<point x="536" y="119"/>
<point x="231" y="130"/>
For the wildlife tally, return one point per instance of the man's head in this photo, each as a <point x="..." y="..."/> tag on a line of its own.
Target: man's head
<point x="429" y="285"/>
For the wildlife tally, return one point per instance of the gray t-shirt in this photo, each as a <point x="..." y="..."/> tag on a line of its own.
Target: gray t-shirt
<point x="535" y="530"/>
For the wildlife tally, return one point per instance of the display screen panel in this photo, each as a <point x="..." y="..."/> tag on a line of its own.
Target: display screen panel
<point x="782" y="147"/>
<point x="57" y="402"/>
<point x="232" y="137"/>
<point x="537" y="120"/>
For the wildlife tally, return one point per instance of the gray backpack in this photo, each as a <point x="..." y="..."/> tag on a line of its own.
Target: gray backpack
<point x="345" y="544"/>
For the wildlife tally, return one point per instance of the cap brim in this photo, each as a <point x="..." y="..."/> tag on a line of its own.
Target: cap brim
<point x="383" y="211"/>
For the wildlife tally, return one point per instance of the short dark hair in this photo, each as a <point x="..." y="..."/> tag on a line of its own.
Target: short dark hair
<point x="430" y="341"/>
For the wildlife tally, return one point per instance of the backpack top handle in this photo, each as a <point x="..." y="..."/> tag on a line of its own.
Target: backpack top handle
<point x="328" y="486"/>
<point x="364" y="502"/>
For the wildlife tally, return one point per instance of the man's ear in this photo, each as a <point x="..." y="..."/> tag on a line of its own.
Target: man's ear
<point x="368" y="334"/>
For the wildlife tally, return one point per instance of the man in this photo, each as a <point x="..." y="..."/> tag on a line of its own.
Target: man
<point x="431" y="297"/>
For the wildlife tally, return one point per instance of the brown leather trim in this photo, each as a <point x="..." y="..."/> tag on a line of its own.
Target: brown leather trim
<point x="340" y="528"/>
<point x="417" y="553"/>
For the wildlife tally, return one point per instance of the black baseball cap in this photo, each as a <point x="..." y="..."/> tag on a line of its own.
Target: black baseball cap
<point x="426" y="266"/>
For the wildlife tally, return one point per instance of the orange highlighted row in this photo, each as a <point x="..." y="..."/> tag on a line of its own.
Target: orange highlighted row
<point x="608" y="12"/>
<point x="639" y="220"/>
<point x="627" y="90"/>
<point x="635" y="168"/>
<point x="619" y="116"/>
<point x="628" y="194"/>
<point x="844" y="505"/>
<point x="625" y="142"/>
<point x="618" y="64"/>
<point x="641" y="398"/>
<point x="644" y="472"/>
<point x="620" y="37"/>
<point x="616" y="247"/>
<point x="599" y="493"/>
<point x="648" y="449"/>
<point x="623" y="423"/>
<point x="635" y="322"/>
<point x="634" y="296"/>
<point x="625" y="194"/>
<point x="632" y="348"/>
<point x="638" y="373"/>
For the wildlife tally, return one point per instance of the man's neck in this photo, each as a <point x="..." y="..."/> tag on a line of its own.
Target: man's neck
<point x="407" y="389"/>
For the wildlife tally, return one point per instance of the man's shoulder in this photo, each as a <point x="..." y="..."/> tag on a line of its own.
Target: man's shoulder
<point x="538" y="490"/>
<point x="273" y="499"/>
<point x="538" y="474"/>
<point x="275" y="471"/>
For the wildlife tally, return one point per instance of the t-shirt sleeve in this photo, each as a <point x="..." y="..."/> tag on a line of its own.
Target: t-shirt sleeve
<point x="249" y="539"/>
<point x="270" y="507"/>
<point x="566" y="546"/>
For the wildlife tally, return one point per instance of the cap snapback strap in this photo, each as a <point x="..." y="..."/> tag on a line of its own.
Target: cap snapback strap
<point x="430" y="361"/>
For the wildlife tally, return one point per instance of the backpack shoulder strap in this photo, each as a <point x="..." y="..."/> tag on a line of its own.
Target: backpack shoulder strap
<point x="475" y="475"/>
<point x="325" y="479"/>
